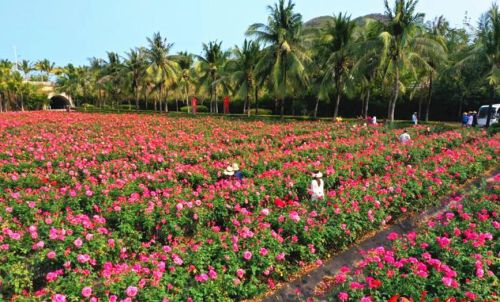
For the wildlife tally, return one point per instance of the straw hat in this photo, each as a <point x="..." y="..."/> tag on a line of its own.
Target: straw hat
<point x="229" y="171"/>
<point x="317" y="175"/>
<point x="235" y="167"/>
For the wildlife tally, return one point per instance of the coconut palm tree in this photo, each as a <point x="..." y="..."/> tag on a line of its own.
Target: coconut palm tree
<point x="337" y="39"/>
<point x="404" y="45"/>
<point x="488" y="49"/>
<point x="27" y="67"/>
<point x="284" y="56"/>
<point x="242" y="69"/>
<point x="45" y="66"/>
<point x="185" y="61"/>
<point x="436" y="31"/>
<point x="212" y="64"/>
<point x="135" y="67"/>
<point x="111" y="77"/>
<point x="162" y="66"/>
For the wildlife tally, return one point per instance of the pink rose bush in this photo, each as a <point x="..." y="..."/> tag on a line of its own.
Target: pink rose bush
<point x="456" y="258"/>
<point x="133" y="208"/>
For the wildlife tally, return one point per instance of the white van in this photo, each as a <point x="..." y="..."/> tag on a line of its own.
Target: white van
<point x="482" y="115"/>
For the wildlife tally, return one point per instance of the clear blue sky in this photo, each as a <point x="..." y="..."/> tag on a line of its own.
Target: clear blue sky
<point x="67" y="31"/>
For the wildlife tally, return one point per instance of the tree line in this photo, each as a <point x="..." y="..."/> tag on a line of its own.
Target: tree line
<point x="291" y="67"/>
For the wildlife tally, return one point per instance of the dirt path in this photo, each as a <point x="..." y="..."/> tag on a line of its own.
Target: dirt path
<point x="307" y="283"/>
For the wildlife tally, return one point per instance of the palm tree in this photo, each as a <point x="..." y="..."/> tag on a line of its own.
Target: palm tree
<point x="212" y="63"/>
<point x="111" y="77"/>
<point x="403" y="46"/>
<point x="368" y="54"/>
<point x="337" y="39"/>
<point x="135" y="67"/>
<point x="488" y="49"/>
<point x="284" y="56"/>
<point x="242" y="69"/>
<point x="45" y="66"/>
<point x="185" y="61"/>
<point x="26" y="67"/>
<point x="162" y="66"/>
<point x="436" y="32"/>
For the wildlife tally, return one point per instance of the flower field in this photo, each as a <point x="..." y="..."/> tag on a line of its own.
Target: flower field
<point x="133" y="208"/>
<point x="454" y="256"/>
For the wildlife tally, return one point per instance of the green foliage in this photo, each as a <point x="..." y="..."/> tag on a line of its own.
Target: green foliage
<point x="199" y="108"/>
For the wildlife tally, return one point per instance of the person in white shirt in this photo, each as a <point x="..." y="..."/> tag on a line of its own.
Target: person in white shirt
<point x="374" y="120"/>
<point x="404" y="137"/>
<point x="414" y="118"/>
<point x="317" y="186"/>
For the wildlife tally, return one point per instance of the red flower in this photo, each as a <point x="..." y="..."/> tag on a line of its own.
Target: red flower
<point x="279" y="203"/>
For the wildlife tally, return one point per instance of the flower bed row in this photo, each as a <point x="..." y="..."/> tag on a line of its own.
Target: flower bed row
<point x="117" y="207"/>
<point x="454" y="257"/>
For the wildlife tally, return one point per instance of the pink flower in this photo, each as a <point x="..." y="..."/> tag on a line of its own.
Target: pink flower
<point x="294" y="216"/>
<point x="470" y="295"/>
<point x="480" y="273"/>
<point x="366" y="299"/>
<point x="212" y="274"/>
<point x="240" y="272"/>
<point x="264" y="212"/>
<point x="78" y="242"/>
<point x="83" y="258"/>
<point x="201" y="278"/>
<point x="59" y="298"/>
<point x="131" y="291"/>
<point x="443" y="241"/>
<point x="86" y="291"/>
<point x="247" y="255"/>
<point x="113" y="298"/>
<point x="392" y="236"/>
<point x="447" y="281"/>
<point x="263" y="251"/>
<point x="51" y="255"/>
<point x="280" y="257"/>
<point x="343" y="296"/>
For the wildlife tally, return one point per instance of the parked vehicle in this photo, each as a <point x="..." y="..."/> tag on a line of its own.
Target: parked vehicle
<point x="482" y="115"/>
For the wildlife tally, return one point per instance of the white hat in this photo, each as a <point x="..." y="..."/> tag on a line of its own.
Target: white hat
<point x="317" y="175"/>
<point x="229" y="171"/>
<point x="235" y="167"/>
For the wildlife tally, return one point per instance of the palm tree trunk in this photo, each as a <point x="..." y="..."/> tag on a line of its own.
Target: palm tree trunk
<point x="363" y="100"/>
<point x="392" y="103"/>
<point x="256" y="100"/>
<point x="460" y="104"/>
<point x="492" y="99"/>
<point x="429" y="99"/>
<point x="137" y="99"/>
<point x="245" y="104"/>
<point x="336" y="112"/>
<point x="211" y="99"/>
<point x="315" y="115"/>
<point x="166" y="101"/>
<point x="187" y="98"/>
<point x="367" y="102"/>
<point x="282" y="112"/>
<point x="420" y="101"/>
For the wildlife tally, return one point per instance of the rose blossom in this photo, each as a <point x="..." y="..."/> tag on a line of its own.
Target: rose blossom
<point x="131" y="291"/>
<point x="86" y="291"/>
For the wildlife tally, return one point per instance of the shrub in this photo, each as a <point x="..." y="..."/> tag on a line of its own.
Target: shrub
<point x="199" y="108"/>
<point x="262" y="111"/>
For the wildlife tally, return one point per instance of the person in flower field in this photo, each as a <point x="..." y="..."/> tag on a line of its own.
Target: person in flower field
<point x="237" y="173"/>
<point x="414" y="118"/>
<point x="317" y="186"/>
<point x="404" y="137"/>
<point x="228" y="173"/>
